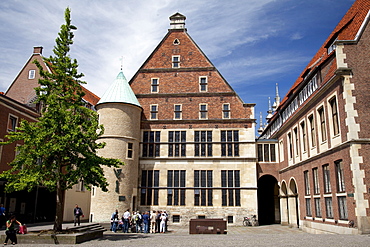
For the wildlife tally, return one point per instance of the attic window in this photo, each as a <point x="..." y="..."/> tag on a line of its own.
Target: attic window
<point x="176" y="42"/>
<point x="332" y="47"/>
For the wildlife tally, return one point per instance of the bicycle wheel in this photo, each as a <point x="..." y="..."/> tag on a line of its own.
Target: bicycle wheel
<point x="245" y="223"/>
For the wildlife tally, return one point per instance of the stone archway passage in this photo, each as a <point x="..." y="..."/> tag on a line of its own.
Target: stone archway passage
<point x="268" y="200"/>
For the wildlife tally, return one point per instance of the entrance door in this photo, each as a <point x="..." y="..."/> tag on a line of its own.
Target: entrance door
<point x="268" y="200"/>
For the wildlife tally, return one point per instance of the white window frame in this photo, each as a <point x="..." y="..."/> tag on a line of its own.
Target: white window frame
<point x="228" y="111"/>
<point x="31" y="74"/>
<point x="175" y="111"/>
<point x="201" y="83"/>
<point x="331" y="116"/>
<point x="156" y="85"/>
<point x="321" y="120"/>
<point x="154" y="112"/>
<point x="176" y="64"/>
<point x="202" y="111"/>
<point x="303" y="136"/>
<point x="16" y="123"/>
<point x="130" y="149"/>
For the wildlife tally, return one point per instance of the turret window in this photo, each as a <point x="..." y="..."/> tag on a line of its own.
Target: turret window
<point x="130" y="150"/>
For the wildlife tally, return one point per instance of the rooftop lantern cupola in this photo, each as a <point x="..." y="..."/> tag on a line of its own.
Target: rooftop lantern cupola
<point x="177" y="21"/>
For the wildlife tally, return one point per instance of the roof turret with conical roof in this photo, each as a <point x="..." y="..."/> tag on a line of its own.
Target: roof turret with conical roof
<point x="119" y="92"/>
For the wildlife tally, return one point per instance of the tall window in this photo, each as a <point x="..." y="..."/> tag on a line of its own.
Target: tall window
<point x="312" y="131"/>
<point x="151" y="143"/>
<point x="230" y="143"/>
<point x="266" y="152"/>
<point x="342" y="206"/>
<point x="226" y="111"/>
<point x="322" y="124"/>
<point x="296" y="140"/>
<point x="203" y="112"/>
<point x="317" y="207"/>
<point x="334" y="113"/>
<point x="326" y="174"/>
<point x="176" y="61"/>
<point x="303" y="133"/>
<point x="203" y="82"/>
<point x="203" y="188"/>
<point x="308" y="207"/>
<point x="12" y="123"/>
<point x="149" y="187"/>
<point x="155" y="85"/>
<point x="177" y="112"/>
<point x="153" y="112"/>
<point x="315" y="176"/>
<point x="290" y="147"/>
<point x="176" y="187"/>
<point x="306" y="183"/>
<point x="177" y="143"/>
<point x="130" y="150"/>
<point x="230" y="183"/>
<point x="329" y="207"/>
<point x="340" y="176"/>
<point x="203" y="143"/>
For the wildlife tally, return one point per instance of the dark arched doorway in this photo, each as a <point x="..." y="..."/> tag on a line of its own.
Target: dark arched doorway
<point x="268" y="200"/>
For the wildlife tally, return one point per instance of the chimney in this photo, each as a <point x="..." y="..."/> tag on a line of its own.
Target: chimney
<point x="37" y="50"/>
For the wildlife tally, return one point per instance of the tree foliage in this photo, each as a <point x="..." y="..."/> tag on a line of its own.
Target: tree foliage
<point x="60" y="149"/>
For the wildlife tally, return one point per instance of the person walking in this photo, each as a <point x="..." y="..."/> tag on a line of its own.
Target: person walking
<point x="126" y="220"/>
<point x="10" y="230"/>
<point x="146" y="222"/>
<point x="77" y="211"/>
<point x="114" y="221"/>
<point x="153" y="218"/>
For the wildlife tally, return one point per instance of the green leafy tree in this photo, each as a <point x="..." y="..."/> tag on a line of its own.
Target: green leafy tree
<point x="60" y="149"/>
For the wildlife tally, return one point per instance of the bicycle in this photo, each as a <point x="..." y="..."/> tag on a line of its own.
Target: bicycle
<point x="250" y="221"/>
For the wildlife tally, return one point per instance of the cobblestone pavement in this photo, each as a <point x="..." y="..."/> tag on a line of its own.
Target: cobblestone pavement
<point x="272" y="235"/>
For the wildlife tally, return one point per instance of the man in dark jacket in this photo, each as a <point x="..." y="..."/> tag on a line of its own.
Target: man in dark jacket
<point x="77" y="211"/>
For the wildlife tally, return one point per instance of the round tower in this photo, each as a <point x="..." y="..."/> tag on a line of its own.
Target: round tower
<point x="120" y="113"/>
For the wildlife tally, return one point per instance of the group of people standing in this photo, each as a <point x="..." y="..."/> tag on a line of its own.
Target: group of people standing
<point x="153" y="222"/>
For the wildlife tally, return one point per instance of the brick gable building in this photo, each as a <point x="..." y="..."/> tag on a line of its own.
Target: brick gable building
<point x="196" y="152"/>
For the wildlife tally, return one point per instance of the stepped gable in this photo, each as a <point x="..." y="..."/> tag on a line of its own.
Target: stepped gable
<point x="348" y="29"/>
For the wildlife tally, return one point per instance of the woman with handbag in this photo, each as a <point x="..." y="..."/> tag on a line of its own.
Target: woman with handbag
<point x="10" y="230"/>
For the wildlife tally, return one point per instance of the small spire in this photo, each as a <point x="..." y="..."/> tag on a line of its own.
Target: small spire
<point x="260" y="129"/>
<point x="277" y="99"/>
<point x="269" y="112"/>
<point x="121" y="59"/>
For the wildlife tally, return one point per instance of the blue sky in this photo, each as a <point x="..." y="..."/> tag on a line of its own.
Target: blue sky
<point x="253" y="43"/>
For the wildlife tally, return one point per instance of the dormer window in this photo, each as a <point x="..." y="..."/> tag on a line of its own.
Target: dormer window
<point x="176" y="42"/>
<point x="176" y="61"/>
<point x="332" y="46"/>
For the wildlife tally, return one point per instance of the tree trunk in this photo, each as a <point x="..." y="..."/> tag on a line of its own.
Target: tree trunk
<point x="59" y="208"/>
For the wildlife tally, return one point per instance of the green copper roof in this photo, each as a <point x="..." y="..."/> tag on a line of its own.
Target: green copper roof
<point x="120" y="91"/>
